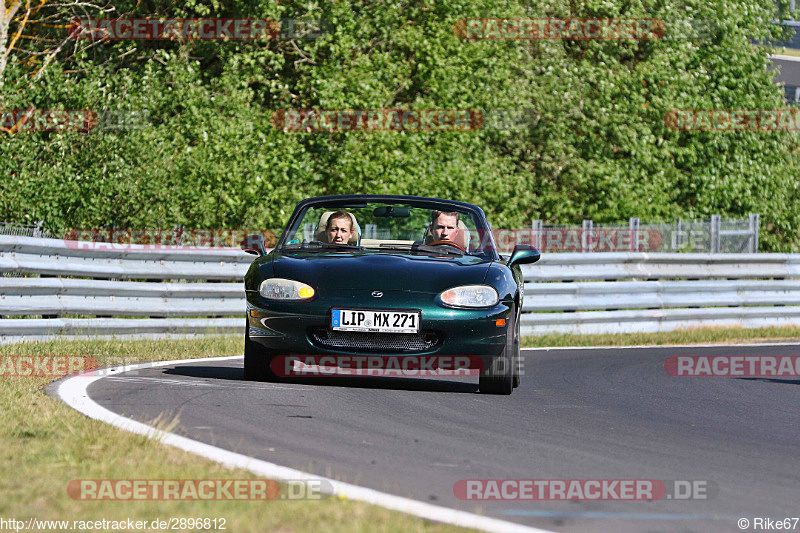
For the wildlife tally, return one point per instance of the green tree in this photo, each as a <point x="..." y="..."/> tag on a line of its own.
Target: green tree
<point x="599" y="146"/>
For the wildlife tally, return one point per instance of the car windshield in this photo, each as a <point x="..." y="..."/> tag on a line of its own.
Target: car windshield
<point x="389" y="226"/>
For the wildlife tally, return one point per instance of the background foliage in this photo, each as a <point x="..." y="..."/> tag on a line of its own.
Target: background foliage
<point x="212" y="159"/>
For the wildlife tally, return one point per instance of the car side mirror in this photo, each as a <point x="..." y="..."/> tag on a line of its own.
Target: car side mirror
<point x="524" y="254"/>
<point x="254" y="244"/>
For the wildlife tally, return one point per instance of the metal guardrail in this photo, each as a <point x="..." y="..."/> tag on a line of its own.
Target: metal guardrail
<point x="179" y="292"/>
<point x="55" y="296"/>
<point x="57" y="257"/>
<point x="619" y="266"/>
<point x="639" y="292"/>
<point x="56" y="279"/>
<point x="12" y="330"/>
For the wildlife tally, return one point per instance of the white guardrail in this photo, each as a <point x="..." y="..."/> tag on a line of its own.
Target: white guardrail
<point x="180" y="292"/>
<point x="641" y="292"/>
<point x="175" y="292"/>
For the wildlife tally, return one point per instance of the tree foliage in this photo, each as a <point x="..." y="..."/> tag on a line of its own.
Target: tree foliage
<point x="210" y="156"/>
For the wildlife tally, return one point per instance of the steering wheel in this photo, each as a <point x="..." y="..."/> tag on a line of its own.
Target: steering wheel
<point x="451" y="243"/>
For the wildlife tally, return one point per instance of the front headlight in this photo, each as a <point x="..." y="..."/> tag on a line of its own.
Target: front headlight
<point x="285" y="289"/>
<point x="470" y="296"/>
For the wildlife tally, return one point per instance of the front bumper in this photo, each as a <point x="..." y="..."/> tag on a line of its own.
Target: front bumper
<point x="295" y="328"/>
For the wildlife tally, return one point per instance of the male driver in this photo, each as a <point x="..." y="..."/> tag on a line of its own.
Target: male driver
<point x="340" y="227"/>
<point x="444" y="226"/>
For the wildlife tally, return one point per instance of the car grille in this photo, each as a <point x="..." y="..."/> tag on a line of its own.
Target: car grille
<point x="374" y="342"/>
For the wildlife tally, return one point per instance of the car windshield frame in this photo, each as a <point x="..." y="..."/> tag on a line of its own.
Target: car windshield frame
<point x="488" y="250"/>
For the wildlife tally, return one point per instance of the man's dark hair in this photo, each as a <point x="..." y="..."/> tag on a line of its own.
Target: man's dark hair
<point x="435" y="215"/>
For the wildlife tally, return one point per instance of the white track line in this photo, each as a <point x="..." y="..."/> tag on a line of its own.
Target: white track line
<point x="73" y="391"/>
<point x="784" y="58"/>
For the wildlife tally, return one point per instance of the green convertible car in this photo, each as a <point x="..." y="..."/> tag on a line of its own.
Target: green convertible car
<point x="386" y="275"/>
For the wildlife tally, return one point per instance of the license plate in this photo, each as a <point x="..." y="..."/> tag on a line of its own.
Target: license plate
<point x="375" y="321"/>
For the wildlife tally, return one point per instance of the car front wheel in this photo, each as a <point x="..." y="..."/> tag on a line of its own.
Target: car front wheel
<point x="517" y="357"/>
<point x="498" y="375"/>
<point x="257" y="360"/>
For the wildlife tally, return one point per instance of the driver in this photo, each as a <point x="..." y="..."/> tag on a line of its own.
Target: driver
<point x="444" y="226"/>
<point x="339" y="228"/>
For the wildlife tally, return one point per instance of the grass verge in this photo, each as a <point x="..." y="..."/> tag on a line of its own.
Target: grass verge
<point x="782" y="51"/>
<point x="681" y="336"/>
<point x="45" y="444"/>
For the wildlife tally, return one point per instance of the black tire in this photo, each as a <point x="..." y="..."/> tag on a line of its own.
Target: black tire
<point x="257" y="360"/>
<point x="517" y="356"/>
<point x="498" y="377"/>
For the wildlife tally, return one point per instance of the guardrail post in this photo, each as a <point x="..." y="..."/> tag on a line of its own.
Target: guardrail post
<point x="536" y="228"/>
<point x="634" y="228"/>
<point x="586" y="236"/>
<point x="715" y="237"/>
<point x="753" y="233"/>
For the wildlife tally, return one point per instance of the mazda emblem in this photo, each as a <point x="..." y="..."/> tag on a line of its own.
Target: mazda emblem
<point x="377" y="294"/>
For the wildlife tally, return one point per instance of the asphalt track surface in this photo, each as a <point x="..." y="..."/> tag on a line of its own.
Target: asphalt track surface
<point x="579" y="414"/>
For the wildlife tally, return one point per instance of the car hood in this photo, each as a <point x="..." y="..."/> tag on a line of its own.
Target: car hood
<point x="380" y="271"/>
